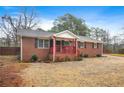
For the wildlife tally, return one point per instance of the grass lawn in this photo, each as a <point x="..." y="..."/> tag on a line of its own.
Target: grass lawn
<point x="91" y="72"/>
<point x="120" y="55"/>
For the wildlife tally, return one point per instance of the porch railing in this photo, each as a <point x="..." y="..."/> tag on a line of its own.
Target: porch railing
<point x="64" y="49"/>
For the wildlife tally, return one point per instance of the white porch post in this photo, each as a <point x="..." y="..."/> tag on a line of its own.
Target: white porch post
<point x="54" y="48"/>
<point x="102" y="48"/>
<point x="61" y="46"/>
<point x="76" y="46"/>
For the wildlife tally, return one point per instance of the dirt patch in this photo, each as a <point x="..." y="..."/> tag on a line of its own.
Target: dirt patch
<point x="10" y="71"/>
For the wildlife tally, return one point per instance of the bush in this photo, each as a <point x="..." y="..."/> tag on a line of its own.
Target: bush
<point x="57" y="59"/>
<point x="34" y="58"/>
<point x="18" y="57"/>
<point x="77" y="58"/>
<point x="98" y="55"/>
<point x="67" y="58"/>
<point x="86" y="55"/>
<point x="47" y="58"/>
<point x="81" y="55"/>
<point x="121" y="51"/>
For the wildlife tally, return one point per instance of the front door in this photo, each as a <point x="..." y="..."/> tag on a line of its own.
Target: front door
<point x="58" y="46"/>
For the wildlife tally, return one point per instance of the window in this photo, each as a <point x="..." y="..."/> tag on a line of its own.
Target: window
<point x="67" y="43"/>
<point x="40" y="43"/>
<point x="97" y="45"/>
<point x="94" y="45"/>
<point x="81" y="45"/>
<point x="46" y="43"/>
<point x="43" y="43"/>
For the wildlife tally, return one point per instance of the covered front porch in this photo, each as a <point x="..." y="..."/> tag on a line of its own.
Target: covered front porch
<point x="63" y="44"/>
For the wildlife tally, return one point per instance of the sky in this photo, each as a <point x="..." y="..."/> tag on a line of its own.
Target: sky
<point x="109" y="18"/>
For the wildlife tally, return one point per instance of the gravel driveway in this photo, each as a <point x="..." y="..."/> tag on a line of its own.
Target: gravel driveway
<point x="102" y="71"/>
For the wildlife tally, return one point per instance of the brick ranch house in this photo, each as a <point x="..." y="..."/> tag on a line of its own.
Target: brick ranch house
<point x="63" y="44"/>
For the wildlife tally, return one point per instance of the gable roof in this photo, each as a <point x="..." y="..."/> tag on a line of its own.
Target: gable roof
<point x="66" y="34"/>
<point x="46" y="34"/>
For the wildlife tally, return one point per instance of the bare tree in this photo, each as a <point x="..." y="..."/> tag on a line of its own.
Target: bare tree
<point x="115" y="41"/>
<point x="96" y="33"/>
<point x="6" y="29"/>
<point x="103" y="35"/>
<point x="118" y="43"/>
<point x="24" y="20"/>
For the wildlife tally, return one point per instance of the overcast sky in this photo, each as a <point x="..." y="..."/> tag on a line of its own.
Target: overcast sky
<point x="108" y="18"/>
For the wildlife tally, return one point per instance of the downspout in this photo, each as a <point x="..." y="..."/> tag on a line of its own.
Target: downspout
<point x="102" y="48"/>
<point x="21" y="50"/>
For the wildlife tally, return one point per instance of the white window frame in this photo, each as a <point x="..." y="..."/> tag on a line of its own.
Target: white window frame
<point x="94" y="45"/>
<point x="81" y="45"/>
<point x="43" y="44"/>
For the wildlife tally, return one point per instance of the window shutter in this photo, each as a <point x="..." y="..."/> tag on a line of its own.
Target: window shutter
<point x="80" y="44"/>
<point x="85" y="45"/>
<point x="62" y="42"/>
<point x="36" y="42"/>
<point x="92" y="45"/>
<point x="97" y="45"/>
<point x="51" y="43"/>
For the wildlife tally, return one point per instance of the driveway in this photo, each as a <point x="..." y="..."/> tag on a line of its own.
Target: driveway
<point x="102" y="71"/>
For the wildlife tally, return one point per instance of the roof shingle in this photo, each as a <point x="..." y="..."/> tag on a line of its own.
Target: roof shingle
<point x="46" y="34"/>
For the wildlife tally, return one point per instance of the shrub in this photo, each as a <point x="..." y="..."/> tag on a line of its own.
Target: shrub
<point x="77" y="58"/>
<point x="47" y="58"/>
<point x="57" y="59"/>
<point x="34" y="58"/>
<point x="62" y="60"/>
<point x="121" y="51"/>
<point x="67" y="58"/>
<point x="81" y="55"/>
<point x="18" y="57"/>
<point x="39" y="60"/>
<point x="86" y="55"/>
<point x="98" y="55"/>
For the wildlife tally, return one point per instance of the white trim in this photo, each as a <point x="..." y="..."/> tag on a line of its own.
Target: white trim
<point x="102" y="48"/>
<point x="43" y="44"/>
<point x="94" y="45"/>
<point x="66" y="31"/>
<point x="38" y="37"/>
<point x="21" y="55"/>
<point x="81" y="44"/>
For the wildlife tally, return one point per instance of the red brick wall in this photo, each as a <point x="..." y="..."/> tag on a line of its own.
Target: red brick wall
<point x="29" y="48"/>
<point x="91" y="51"/>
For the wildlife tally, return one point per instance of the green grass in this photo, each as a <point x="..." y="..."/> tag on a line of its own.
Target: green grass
<point x="120" y="55"/>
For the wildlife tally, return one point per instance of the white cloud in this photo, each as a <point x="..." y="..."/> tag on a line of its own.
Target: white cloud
<point x="46" y="24"/>
<point x="113" y="24"/>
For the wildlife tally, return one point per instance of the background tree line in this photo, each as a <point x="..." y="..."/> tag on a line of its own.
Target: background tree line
<point x="26" y="19"/>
